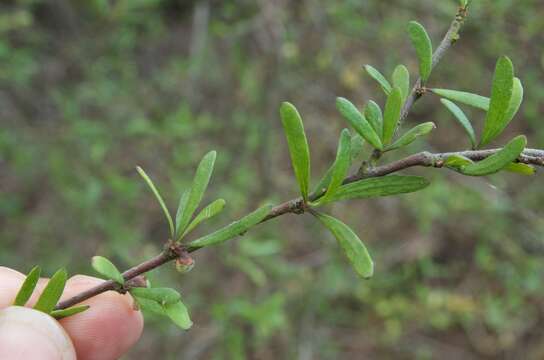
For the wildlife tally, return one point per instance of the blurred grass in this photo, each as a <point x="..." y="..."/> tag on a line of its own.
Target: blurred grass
<point x="92" y="89"/>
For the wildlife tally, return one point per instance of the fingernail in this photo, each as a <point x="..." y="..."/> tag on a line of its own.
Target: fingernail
<point x="30" y="334"/>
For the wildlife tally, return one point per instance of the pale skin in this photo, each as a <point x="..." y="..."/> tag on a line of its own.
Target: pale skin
<point x="104" y="332"/>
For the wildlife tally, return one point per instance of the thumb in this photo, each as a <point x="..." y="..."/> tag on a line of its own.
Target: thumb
<point x="31" y="334"/>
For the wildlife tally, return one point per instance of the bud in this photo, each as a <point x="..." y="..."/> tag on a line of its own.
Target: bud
<point x="184" y="263"/>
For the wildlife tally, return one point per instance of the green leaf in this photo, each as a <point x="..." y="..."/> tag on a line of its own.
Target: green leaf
<point x="401" y="79"/>
<point x="106" y="268"/>
<point x="178" y="313"/>
<point x="52" y="292"/>
<point x="28" y="287"/>
<point x="196" y="193"/>
<point x="411" y="135"/>
<point x="391" y="116"/>
<point x="463" y="97"/>
<point x="298" y="146"/>
<point x="340" y="166"/>
<point x="462" y="119"/>
<point x="357" y="143"/>
<point x="457" y="162"/>
<point x="424" y="48"/>
<point x="60" y="314"/>
<point x="499" y="160"/>
<point x="376" y="75"/>
<point x="159" y="198"/>
<point x="515" y="103"/>
<point x="208" y="212"/>
<point x="501" y="95"/>
<point x="380" y="186"/>
<point x="162" y="296"/>
<point x="358" y="122"/>
<point x="150" y="305"/>
<point x="234" y="229"/>
<point x="373" y="114"/>
<point x="520" y="168"/>
<point x="182" y="206"/>
<point x="353" y="247"/>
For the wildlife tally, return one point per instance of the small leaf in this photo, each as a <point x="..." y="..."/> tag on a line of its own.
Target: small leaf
<point x="499" y="160"/>
<point x="106" y="268"/>
<point x="208" y="212"/>
<point x="462" y="119"/>
<point x="424" y="48"/>
<point x="401" y="79"/>
<point x="159" y="198"/>
<point x="234" y="229"/>
<point x="160" y="295"/>
<point x="463" y="97"/>
<point x="520" y="168"/>
<point x="391" y="115"/>
<point x="515" y="103"/>
<point x="358" y="122"/>
<point x="298" y="146"/>
<point x="411" y="135"/>
<point x="353" y="247"/>
<point x="340" y="166"/>
<point x="178" y="313"/>
<point x="60" y="314"/>
<point x="196" y="193"/>
<point x="150" y="305"/>
<point x="52" y="292"/>
<point x="501" y="95"/>
<point x="182" y="206"/>
<point x="357" y="144"/>
<point x="28" y="287"/>
<point x="380" y="186"/>
<point x="376" y="75"/>
<point x="373" y="114"/>
<point x="457" y="162"/>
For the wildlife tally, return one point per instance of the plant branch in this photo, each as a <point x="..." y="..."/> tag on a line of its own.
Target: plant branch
<point x="297" y="206"/>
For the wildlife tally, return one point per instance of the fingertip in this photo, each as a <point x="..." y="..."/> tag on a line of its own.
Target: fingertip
<point x="110" y="326"/>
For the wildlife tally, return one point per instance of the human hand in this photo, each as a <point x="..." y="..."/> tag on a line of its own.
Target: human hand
<point x="104" y="332"/>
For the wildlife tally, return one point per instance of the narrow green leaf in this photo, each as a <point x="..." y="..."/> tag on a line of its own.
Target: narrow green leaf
<point x="391" y="116"/>
<point x="357" y="144"/>
<point x="28" y="287"/>
<point x="162" y="296"/>
<point x="373" y="114"/>
<point x="182" y="206"/>
<point x="501" y="95"/>
<point x="196" y="193"/>
<point x="52" y="292"/>
<point x="380" y="186"/>
<point x="298" y="146"/>
<point x="234" y="229"/>
<point x="353" y="247"/>
<point x="520" y="168"/>
<point x="462" y="119"/>
<point x="178" y="313"/>
<point x="457" y="162"/>
<point x="424" y="48"/>
<point x="159" y="198"/>
<point x="60" y="314"/>
<point x="515" y="103"/>
<point x="340" y="166"/>
<point x="208" y="212"/>
<point x="358" y="121"/>
<point x="411" y="135"/>
<point x="496" y="162"/>
<point x="106" y="268"/>
<point x="376" y="75"/>
<point x="463" y="97"/>
<point x="401" y="79"/>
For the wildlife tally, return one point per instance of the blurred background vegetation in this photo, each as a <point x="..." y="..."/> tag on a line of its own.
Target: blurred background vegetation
<point x="90" y="89"/>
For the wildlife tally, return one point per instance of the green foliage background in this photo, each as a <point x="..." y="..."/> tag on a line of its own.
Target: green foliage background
<point x="92" y="89"/>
